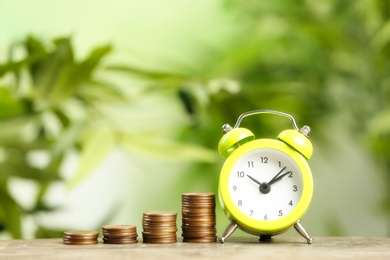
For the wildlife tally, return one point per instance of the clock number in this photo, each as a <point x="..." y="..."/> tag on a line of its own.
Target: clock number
<point x="264" y="159"/>
<point x="265" y="217"/>
<point x="250" y="164"/>
<point x="280" y="213"/>
<point x="234" y="188"/>
<point x="290" y="203"/>
<point x="240" y="174"/>
<point x="291" y="174"/>
<point x="280" y="164"/>
<point x="251" y="212"/>
<point x="239" y="203"/>
<point x="295" y="188"/>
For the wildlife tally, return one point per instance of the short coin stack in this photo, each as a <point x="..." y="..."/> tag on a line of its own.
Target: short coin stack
<point x="119" y="234"/>
<point x="198" y="217"/>
<point x="159" y="227"/>
<point x="80" y="237"/>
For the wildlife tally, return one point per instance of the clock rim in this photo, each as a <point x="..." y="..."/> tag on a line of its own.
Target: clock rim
<point x="259" y="226"/>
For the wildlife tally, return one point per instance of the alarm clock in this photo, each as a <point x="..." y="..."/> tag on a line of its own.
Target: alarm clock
<point x="265" y="185"/>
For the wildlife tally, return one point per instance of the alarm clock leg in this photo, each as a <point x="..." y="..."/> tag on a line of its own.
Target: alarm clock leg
<point x="302" y="231"/>
<point x="265" y="238"/>
<point x="228" y="231"/>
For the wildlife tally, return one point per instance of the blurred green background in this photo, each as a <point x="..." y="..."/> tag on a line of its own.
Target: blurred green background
<point x="112" y="108"/>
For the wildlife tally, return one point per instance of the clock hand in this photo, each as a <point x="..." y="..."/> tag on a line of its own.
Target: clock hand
<point x="264" y="188"/>
<point x="253" y="179"/>
<point x="278" y="178"/>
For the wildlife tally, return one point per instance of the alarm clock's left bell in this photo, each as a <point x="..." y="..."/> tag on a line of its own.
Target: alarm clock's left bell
<point x="232" y="139"/>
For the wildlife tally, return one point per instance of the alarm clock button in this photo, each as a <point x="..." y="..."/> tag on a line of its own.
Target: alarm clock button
<point x="298" y="141"/>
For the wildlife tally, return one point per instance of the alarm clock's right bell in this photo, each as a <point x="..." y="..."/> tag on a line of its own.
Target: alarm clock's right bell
<point x="298" y="140"/>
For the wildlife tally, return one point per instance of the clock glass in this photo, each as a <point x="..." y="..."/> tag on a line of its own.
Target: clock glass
<point x="265" y="184"/>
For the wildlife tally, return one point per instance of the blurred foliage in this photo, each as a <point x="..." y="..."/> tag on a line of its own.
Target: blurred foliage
<point x="321" y="61"/>
<point x="325" y="62"/>
<point x="53" y="105"/>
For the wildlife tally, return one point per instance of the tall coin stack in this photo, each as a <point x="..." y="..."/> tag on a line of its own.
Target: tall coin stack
<point x="119" y="234"/>
<point x="80" y="237"/>
<point x="159" y="227"/>
<point x="198" y="217"/>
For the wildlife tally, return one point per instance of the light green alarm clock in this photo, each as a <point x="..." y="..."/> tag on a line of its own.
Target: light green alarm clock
<point x="265" y="185"/>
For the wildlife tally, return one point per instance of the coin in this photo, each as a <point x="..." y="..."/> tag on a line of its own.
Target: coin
<point x="79" y="242"/>
<point x="119" y="240"/>
<point x="200" y="240"/>
<point x="160" y="240"/>
<point x="198" y="217"/>
<point x="80" y="237"/>
<point x="159" y="227"/>
<point x="118" y="227"/>
<point x="119" y="234"/>
<point x="159" y="214"/>
<point x="81" y="233"/>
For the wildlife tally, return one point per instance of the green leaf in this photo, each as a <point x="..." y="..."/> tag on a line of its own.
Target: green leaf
<point x="23" y="170"/>
<point x="9" y="106"/>
<point x="98" y="144"/>
<point x="102" y="92"/>
<point x="68" y="139"/>
<point x="382" y="37"/>
<point x="151" y="75"/>
<point x="10" y="214"/>
<point x="55" y="69"/>
<point x="35" y="48"/>
<point x="379" y="124"/>
<point x="78" y="74"/>
<point x="168" y="149"/>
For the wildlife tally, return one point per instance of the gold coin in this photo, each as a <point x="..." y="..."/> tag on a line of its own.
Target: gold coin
<point x="118" y="227"/>
<point x="196" y="228"/>
<point x="186" y="234"/>
<point x="120" y="240"/>
<point x="197" y="194"/>
<point x="173" y="229"/>
<point x="160" y="241"/>
<point x="198" y="220"/>
<point x="158" y="234"/>
<point x="200" y="240"/>
<point x="159" y="224"/>
<point x="81" y="233"/>
<point x="160" y="213"/>
<point x="79" y="242"/>
<point x="79" y="238"/>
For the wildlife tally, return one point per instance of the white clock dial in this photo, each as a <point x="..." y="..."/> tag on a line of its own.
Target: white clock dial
<point x="265" y="184"/>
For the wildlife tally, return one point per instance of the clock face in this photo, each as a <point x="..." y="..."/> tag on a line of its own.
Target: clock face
<point x="265" y="184"/>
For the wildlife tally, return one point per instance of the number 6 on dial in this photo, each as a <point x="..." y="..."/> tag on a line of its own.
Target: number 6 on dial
<point x="265" y="185"/>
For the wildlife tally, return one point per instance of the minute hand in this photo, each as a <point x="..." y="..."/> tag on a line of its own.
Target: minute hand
<point x="277" y="177"/>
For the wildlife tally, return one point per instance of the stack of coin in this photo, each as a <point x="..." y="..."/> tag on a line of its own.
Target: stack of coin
<point x="159" y="227"/>
<point x="80" y="237"/>
<point x="119" y="234"/>
<point x="198" y="217"/>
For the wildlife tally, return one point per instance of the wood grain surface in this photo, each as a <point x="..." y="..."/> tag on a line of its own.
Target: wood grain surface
<point x="235" y="248"/>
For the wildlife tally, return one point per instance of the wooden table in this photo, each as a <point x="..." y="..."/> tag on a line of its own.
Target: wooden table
<point x="235" y="248"/>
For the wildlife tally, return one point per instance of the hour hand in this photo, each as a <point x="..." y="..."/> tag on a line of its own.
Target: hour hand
<point x="279" y="178"/>
<point x="276" y="176"/>
<point x="253" y="179"/>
